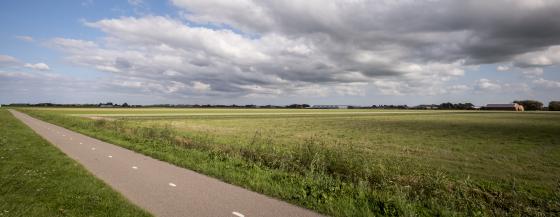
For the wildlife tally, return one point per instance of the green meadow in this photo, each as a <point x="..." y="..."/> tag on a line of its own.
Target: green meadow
<point x="352" y="162"/>
<point x="36" y="179"/>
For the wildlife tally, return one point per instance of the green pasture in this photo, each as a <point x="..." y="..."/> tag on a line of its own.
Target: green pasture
<point x="353" y="162"/>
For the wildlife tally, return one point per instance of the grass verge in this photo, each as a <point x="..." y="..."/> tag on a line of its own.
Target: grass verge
<point x="37" y="179"/>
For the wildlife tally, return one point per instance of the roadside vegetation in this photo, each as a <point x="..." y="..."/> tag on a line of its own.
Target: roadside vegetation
<point x="405" y="164"/>
<point x="36" y="179"/>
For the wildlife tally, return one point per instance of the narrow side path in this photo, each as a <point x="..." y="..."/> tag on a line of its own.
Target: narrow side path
<point x="159" y="187"/>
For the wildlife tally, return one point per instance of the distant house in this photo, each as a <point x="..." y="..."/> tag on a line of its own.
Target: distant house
<point x="329" y="106"/>
<point x="504" y="107"/>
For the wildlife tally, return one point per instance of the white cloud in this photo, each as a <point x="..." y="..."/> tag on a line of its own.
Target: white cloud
<point x="532" y="72"/>
<point x="6" y="60"/>
<point x="25" y="38"/>
<point x="87" y="3"/>
<point x="39" y="87"/>
<point x="199" y="86"/>
<point x="174" y="34"/>
<point x="485" y="85"/>
<point x="503" y="68"/>
<point x="318" y="48"/>
<point x="549" y="84"/>
<point x="458" y="88"/>
<point x="38" y="66"/>
<point x="516" y="88"/>
<point x="394" y="87"/>
<point x="547" y="57"/>
<point x="245" y="14"/>
<point x="270" y="61"/>
<point x="77" y="44"/>
<point x="351" y="89"/>
<point x="135" y="2"/>
<point x="309" y="90"/>
<point x="39" y="81"/>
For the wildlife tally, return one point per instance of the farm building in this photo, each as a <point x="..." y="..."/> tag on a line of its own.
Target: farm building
<point x="329" y="106"/>
<point x="505" y="107"/>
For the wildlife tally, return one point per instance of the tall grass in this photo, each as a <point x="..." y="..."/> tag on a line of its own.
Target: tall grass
<point x="332" y="178"/>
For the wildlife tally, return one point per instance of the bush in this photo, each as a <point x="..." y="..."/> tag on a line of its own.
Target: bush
<point x="458" y="106"/>
<point x="530" y="105"/>
<point x="554" y="106"/>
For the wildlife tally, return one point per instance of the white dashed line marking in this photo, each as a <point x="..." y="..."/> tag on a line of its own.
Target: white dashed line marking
<point x="110" y="156"/>
<point x="135" y="167"/>
<point x="238" y="214"/>
<point x="63" y="135"/>
<point x="172" y="185"/>
<point x="93" y="149"/>
<point x="81" y="143"/>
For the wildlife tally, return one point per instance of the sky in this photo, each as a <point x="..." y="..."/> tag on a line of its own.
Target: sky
<point x="347" y="52"/>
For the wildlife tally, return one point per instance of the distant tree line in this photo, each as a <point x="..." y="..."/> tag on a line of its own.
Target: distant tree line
<point x="380" y="107"/>
<point x="529" y="105"/>
<point x="51" y="105"/>
<point x="456" y="106"/>
<point x="298" y="106"/>
<point x="534" y="105"/>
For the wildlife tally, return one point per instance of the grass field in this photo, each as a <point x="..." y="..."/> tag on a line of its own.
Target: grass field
<point x="36" y="179"/>
<point x="353" y="162"/>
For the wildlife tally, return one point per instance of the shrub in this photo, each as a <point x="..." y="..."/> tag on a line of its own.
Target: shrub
<point x="530" y="105"/>
<point x="554" y="106"/>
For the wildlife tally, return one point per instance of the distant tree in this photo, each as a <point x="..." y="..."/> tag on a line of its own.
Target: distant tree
<point x="460" y="106"/>
<point x="294" y="106"/>
<point x="554" y="106"/>
<point x="464" y="106"/>
<point x="125" y="105"/>
<point x="402" y="107"/>
<point x="446" y="105"/>
<point x="530" y="105"/>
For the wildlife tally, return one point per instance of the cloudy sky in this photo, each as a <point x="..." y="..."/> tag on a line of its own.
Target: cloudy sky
<point x="355" y="52"/>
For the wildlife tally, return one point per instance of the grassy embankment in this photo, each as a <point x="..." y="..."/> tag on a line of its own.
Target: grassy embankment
<point x="36" y="179"/>
<point x="357" y="164"/>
